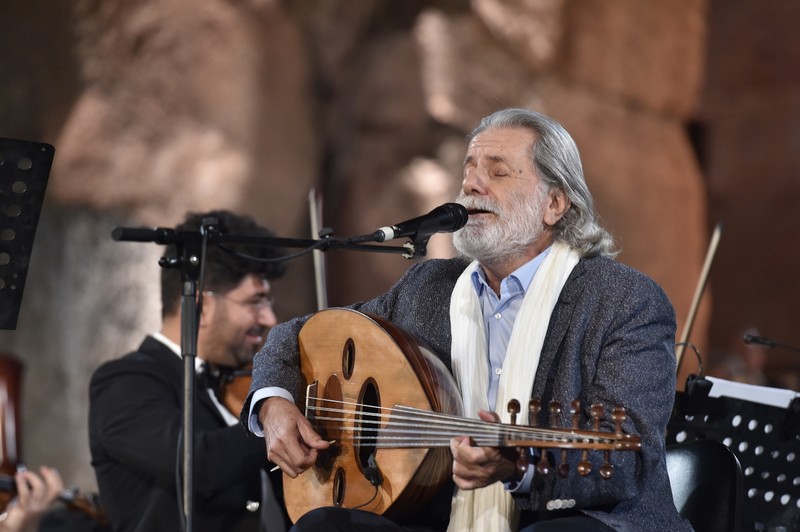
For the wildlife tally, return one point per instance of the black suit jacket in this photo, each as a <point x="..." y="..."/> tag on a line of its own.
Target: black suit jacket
<point x="135" y="419"/>
<point x="609" y="340"/>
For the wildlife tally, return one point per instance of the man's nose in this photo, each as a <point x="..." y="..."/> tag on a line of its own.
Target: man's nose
<point x="475" y="182"/>
<point x="266" y="317"/>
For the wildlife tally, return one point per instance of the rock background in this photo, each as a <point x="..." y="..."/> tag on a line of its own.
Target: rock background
<point x="685" y="111"/>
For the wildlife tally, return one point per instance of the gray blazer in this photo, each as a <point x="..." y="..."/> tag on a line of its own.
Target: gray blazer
<point x="610" y="340"/>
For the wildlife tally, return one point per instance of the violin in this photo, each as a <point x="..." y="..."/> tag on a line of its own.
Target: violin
<point x="87" y="504"/>
<point x="10" y="377"/>
<point x="234" y="387"/>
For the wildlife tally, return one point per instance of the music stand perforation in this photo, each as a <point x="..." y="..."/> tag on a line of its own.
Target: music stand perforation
<point x="764" y="438"/>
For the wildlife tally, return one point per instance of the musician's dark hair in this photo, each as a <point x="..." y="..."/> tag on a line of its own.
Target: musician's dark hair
<point x="223" y="270"/>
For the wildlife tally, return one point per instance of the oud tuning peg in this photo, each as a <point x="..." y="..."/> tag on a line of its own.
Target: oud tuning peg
<point x="534" y="407"/>
<point x="596" y="412"/>
<point x="563" y="467"/>
<point x="584" y="466"/>
<point x="619" y="416"/>
<point x="555" y="412"/>
<point x="607" y="469"/>
<point x="575" y="410"/>
<point x="543" y="467"/>
<point x="513" y="410"/>
<point x="523" y="462"/>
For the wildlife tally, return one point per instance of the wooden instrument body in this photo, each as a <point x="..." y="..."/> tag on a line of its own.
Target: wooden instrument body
<point x="10" y="378"/>
<point x="234" y="388"/>
<point x="367" y="362"/>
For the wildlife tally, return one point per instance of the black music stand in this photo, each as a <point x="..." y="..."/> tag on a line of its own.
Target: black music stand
<point x="24" y="170"/>
<point x="761" y="425"/>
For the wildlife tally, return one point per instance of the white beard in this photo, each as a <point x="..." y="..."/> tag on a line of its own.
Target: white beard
<point x="512" y="229"/>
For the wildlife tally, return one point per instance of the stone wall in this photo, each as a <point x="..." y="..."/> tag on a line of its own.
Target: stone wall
<point x="749" y="124"/>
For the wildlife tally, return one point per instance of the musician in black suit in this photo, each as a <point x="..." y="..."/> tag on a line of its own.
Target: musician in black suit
<point x="541" y="311"/>
<point x="135" y="418"/>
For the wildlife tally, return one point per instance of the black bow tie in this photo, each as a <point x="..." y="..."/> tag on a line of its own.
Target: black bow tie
<point x="207" y="378"/>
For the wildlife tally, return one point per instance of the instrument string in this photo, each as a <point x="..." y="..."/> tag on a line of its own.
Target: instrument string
<point x="404" y="426"/>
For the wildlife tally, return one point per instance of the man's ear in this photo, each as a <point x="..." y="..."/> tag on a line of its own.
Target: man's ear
<point x="558" y="205"/>
<point x="206" y="312"/>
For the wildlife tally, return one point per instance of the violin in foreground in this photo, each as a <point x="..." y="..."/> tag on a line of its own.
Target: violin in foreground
<point x="86" y="504"/>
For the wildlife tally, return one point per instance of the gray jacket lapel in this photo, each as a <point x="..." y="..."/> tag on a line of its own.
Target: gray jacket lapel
<point x="559" y="324"/>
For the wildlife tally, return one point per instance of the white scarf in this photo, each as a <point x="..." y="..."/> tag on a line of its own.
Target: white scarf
<point x="492" y="508"/>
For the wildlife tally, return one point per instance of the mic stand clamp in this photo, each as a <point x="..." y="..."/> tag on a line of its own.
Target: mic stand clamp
<point x="412" y="248"/>
<point x="790" y="428"/>
<point x="698" y="386"/>
<point x="695" y="399"/>
<point x="409" y="250"/>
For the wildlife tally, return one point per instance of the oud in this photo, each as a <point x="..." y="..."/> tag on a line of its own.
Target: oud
<point x="391" y="408"/>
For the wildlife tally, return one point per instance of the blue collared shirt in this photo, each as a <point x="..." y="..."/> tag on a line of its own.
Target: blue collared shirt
<point x="499" y="314"/>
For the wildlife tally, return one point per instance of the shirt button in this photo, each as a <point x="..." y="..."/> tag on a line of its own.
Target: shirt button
<point x="498" y="371"/>
<point x="498" y="316"/>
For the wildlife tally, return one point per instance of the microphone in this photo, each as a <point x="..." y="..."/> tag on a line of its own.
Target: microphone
<point x="443" y="219"/>
<point x="767" y="342"/>
<point x="759" y="340"/>
<point x="159" y="235"/>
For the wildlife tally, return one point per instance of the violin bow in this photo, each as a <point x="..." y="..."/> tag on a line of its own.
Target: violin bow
<point x="698" y="294"/>
<point x="315" y="212"/>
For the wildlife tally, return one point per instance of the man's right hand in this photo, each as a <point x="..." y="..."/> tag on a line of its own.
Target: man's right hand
<point x="292" y="444"/>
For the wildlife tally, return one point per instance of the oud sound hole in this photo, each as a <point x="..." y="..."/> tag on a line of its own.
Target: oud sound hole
<point x="338" y="488"/>
<point x="330" y="425"/>
<point x="369" y="422"/>
<point x="348" y="358"/>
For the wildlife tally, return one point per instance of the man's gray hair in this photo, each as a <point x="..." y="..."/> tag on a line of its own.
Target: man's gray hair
<point x="558" y="162"/>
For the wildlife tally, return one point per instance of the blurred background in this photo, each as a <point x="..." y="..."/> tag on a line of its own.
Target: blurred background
<point x="686" y="112"/>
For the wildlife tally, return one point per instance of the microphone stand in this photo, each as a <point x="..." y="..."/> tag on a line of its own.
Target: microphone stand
<point x="190" y="258"/>
<point x="190" y="262"/>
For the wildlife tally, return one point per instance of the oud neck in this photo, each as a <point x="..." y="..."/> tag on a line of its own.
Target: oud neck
<point x="406" y="427"/>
